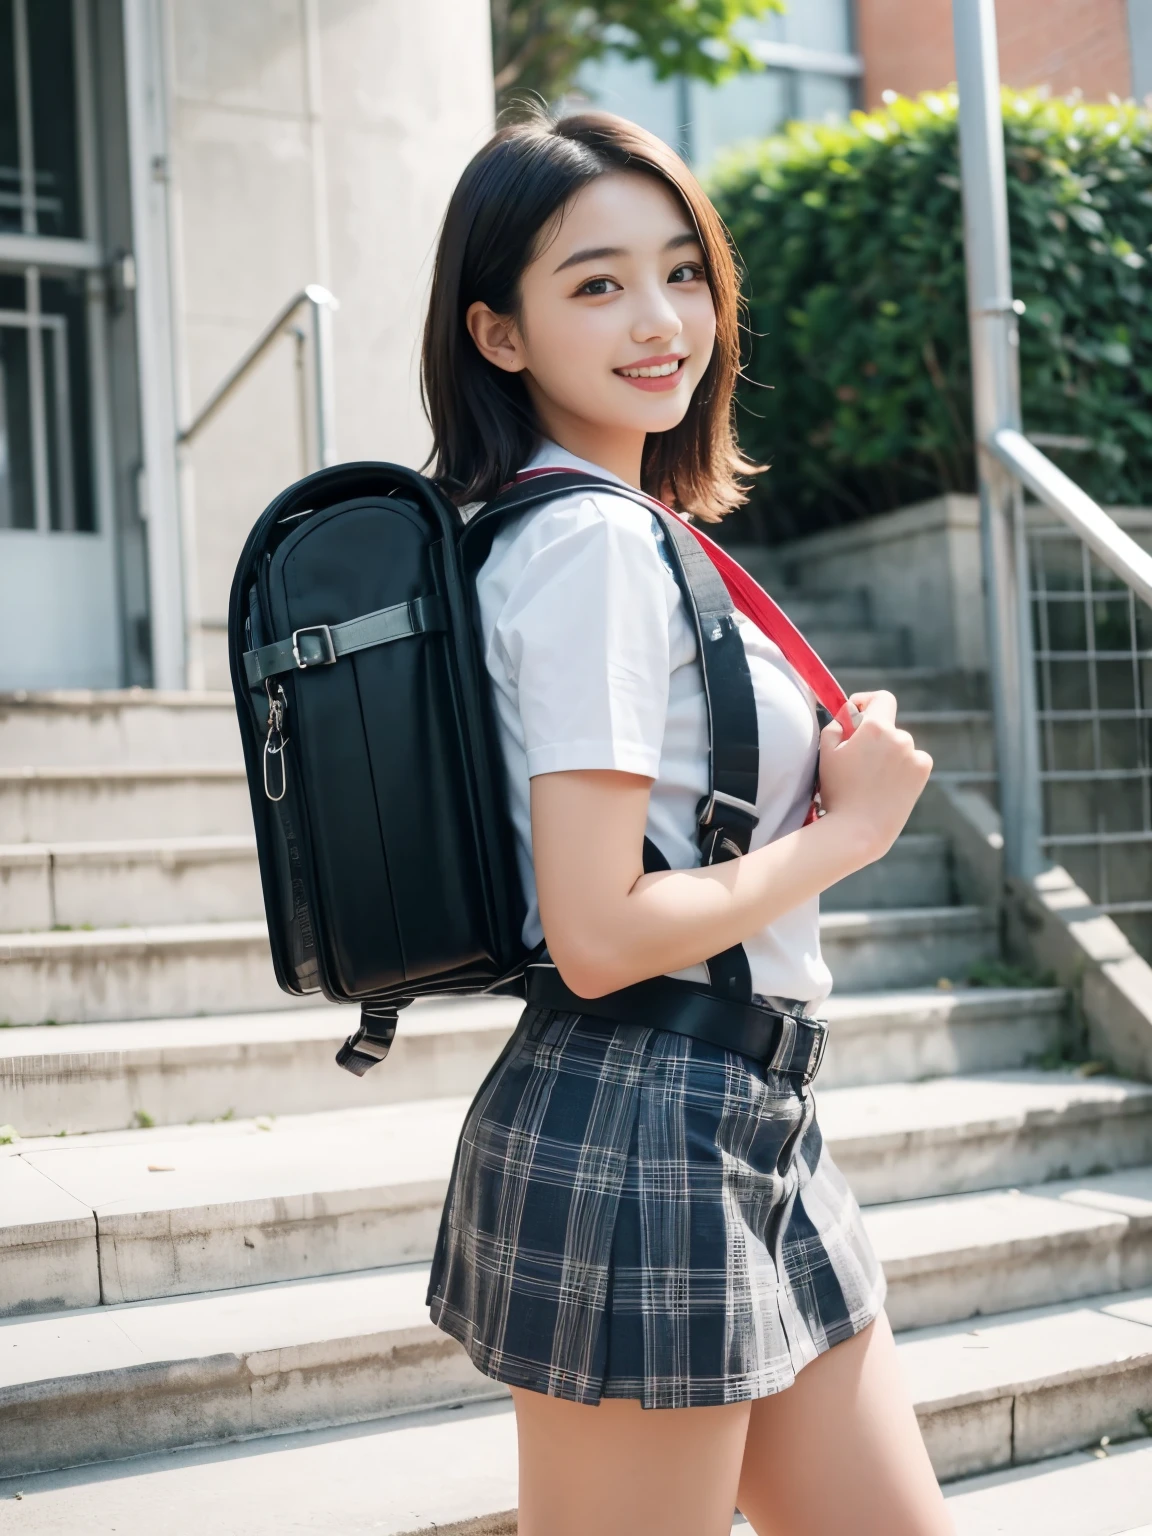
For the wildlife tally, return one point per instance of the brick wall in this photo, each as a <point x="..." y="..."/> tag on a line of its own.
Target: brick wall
<point x="907" y="45"/>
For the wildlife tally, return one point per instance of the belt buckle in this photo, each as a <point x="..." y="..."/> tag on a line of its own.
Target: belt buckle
<point x="819" y="1045"/>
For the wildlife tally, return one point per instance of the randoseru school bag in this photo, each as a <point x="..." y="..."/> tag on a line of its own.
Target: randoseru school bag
<point x="386" y="851"/>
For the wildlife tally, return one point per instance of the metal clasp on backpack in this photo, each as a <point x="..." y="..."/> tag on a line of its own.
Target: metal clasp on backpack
<point x="277" y="705"/>
<point x="328" y="655"/>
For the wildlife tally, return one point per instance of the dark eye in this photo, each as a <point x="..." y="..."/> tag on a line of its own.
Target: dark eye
<point x="686" y="272"/>
<point x="595" y="287"/>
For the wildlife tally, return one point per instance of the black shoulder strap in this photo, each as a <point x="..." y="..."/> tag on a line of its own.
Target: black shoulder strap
<point x="727" y="815"/>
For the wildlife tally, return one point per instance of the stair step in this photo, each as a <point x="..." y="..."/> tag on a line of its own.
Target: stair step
<point x="174" y="969"/>
<point x="104" y="1077"/>
<point x="444" y="1472"/>
<point x="909" y="1035"/>
<point x="208" y="1207"/>
<point x="906" y="946"/>
<point x="110" y="1382"/>
<point x="119" y="973"/>
<point x="858" y="647"/>
<point x="915" y="872"/>
<point x="454" y="1472"/>
<point x="966" y="1255"/>
<point x="959" y="740"/>
<point x="824" y="610"/>
<point x="1022" y="1386"/>
<point x="129" y="881"/>
<point x="1081" y="1494"/>
<point x="98" y="1077"/>
<point x="952" y="1135"/>
<point x="45" y="805"/>
<point x="151" y="881"/>
<point x="211" y="1207"/>
<point x="921" y="689"/>
<point x="117" y="726"/>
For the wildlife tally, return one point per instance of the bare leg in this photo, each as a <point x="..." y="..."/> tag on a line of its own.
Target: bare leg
<point x="617" y="1469"/>
<point x="840" y="1450"/>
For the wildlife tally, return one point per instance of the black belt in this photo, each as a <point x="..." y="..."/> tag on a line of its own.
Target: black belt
<point x="783" y="1042"/>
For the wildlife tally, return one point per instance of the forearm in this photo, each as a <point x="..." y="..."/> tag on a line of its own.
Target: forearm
<point x="672" y="919"/>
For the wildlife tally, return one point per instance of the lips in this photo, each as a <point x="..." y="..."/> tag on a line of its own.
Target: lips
<point x="653" y="373"/>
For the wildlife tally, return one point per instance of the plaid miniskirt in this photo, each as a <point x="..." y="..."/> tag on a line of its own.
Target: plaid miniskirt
<point x="635" y="1213"/>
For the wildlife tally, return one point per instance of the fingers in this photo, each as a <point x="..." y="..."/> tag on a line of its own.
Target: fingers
<point x="878" y="705"/>
<point x="832" y="735"/>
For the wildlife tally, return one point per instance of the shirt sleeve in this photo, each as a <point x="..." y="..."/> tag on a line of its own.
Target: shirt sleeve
<point x="583" y="637"/>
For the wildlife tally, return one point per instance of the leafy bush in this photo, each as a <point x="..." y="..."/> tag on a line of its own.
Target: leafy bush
<point x="852" y="242"/>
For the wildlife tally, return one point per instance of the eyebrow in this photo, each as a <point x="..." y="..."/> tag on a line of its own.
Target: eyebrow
<point x="599" y="252"/>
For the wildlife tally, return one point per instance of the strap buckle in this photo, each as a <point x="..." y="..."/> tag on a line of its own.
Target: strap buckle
<point x="319" y="632"/>
<point x="737" y="810"/>
<point x="727" y="825"/>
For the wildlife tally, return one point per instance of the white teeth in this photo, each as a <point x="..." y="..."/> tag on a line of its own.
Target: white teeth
<point x="659" y="372"/>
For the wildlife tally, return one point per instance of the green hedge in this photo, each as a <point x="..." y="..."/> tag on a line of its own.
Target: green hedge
<point x="857" y="388"/>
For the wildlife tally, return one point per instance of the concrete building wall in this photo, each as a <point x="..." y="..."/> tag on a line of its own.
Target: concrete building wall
<point x="311" y="141"/>
<point x="1065" y="44"/>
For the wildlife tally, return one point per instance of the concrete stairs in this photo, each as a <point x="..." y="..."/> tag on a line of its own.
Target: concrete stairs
<point x="208" y="1233"/>
<point x="454" y="1470"/>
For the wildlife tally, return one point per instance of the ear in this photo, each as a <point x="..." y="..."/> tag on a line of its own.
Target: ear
<point x="496" y="337"/>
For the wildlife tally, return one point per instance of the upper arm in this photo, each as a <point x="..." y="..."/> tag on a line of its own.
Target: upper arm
<point x="588" y="852"/>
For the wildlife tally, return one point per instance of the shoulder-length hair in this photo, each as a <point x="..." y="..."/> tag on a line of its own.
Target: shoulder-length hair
<point x="483" y="424"/>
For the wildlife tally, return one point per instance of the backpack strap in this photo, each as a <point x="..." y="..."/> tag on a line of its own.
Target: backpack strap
<point x="320" y="645"/>
<point x="726" y="816"/>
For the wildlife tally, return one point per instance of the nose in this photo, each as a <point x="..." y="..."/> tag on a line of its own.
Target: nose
<point x="656" y="318"/>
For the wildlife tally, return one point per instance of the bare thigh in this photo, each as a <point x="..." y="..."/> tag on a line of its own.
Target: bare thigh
<point x="618" y="1469"/>
<point x="840" y="1450"/>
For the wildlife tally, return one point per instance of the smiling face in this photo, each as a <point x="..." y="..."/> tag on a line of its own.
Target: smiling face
<point x="616" y="323"/>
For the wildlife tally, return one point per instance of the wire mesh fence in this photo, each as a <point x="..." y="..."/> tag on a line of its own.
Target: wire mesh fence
<point x="1093" y="648"/>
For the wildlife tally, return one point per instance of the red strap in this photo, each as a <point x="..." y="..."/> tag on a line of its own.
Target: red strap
<point x="752" y="601"/>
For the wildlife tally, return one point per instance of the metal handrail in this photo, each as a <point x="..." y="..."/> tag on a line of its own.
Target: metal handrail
<point x="1103" y="535"/>
<point x="322" y="303"/>
<point x="1007" y="464"/>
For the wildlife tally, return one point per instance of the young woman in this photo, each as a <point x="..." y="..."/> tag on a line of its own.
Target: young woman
<point x="644" y="1236"/>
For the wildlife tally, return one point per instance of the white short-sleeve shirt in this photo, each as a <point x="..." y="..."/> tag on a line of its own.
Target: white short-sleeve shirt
<point x="592" y="659"/>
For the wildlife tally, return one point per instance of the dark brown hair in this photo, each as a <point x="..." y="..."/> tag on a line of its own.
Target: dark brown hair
<point x="483" y="425"/>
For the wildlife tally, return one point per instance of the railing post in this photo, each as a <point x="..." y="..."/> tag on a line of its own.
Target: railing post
<point x="322" y="305"/>
<point x="995" y="347"/>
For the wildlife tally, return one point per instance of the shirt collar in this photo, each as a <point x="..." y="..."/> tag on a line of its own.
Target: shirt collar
<point x="550" y="455"/>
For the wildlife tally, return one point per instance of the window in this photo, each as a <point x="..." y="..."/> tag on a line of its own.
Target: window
<point x="45" y="469"/>
<point x="39" y="163"/>
<point x="810" y="72"/>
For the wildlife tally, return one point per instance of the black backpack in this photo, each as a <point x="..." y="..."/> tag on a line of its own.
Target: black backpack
<point x="386" y="850"/>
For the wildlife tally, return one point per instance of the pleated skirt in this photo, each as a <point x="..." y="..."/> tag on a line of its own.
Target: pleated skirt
<point x="633" y="1213"/>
